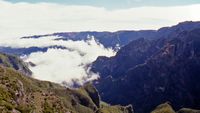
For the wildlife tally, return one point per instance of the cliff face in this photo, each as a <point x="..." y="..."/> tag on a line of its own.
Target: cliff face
<point x="153" y="72"/>
<point x="22" y="94"/>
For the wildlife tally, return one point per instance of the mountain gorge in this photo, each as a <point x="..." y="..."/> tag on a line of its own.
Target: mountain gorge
<point x="146" y="72"/>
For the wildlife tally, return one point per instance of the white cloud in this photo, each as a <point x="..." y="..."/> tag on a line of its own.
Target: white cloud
<point x="62" y="65"/>
<point x="19" y="19"/>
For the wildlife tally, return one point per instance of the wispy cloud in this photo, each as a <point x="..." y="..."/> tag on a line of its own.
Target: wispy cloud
<point x="20" y="19"/>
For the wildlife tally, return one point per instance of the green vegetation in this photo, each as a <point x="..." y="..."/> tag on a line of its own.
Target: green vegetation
<point x="114" y="109"/>
<point x="4" y="60"/>
<point x="27" y="95"/>
<point x="163" y="108"/>
<point x="24" y="94"/>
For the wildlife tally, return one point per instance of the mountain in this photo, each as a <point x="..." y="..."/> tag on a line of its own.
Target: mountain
<point x="27" y="51"/>
<point x="23" y="94"/>
<point x="152" y="67"/>
<point x="167" y="108"/>
<point x="108" y="39"/>
<point x="146" y="72"/>
<point x="121" y="38"/>
<point x="12" y="61"/>
<point x="127" y="57"/>
<point x="136" y="52"/>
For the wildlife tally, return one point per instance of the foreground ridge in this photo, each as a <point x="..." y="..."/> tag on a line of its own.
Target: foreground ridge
<point x="22" y="94"/>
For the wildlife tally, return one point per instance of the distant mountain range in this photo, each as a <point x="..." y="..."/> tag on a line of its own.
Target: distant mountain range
<point x="147" y="72"/>
<point x="121" y="38"/>
<point x="108" y="39"/>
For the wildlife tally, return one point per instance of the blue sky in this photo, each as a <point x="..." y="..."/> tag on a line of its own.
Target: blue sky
<point x="116" y="4"/>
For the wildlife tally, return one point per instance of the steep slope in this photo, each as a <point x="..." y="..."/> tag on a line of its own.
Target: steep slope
<point x="127" y="57"/>
<point x="14" y="62"/>
<point x="167" y="74"/>
<point x="138" y="51"/>
<point x="22" y="94"/>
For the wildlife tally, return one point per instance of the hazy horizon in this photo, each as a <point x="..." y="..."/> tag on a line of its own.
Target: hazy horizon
<point x="23" y="18"/>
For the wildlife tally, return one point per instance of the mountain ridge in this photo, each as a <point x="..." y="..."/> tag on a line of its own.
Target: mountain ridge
<point x="112" y="40"/>
<point x="169" y="72"/>
<point x="22" y="94"/>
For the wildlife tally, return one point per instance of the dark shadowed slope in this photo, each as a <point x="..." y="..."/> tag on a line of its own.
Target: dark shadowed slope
<point x="152" y="72"/>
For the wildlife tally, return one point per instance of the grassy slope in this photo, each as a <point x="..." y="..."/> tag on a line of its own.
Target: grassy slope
<point x="27" y="95"/>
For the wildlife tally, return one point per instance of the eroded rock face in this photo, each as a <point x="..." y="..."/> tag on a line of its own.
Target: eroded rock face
<point x="170" y="73"/>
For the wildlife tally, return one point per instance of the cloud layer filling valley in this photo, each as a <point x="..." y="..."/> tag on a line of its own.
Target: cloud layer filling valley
<point x="62" y="65"/>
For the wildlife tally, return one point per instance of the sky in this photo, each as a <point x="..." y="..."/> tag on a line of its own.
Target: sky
<point x="33" y="17"/>
<point x="116" y="4"/>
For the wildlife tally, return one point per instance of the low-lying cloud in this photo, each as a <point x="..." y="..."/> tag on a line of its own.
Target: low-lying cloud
<point x="22" y="19"/>
<point x="62" y="65"/>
